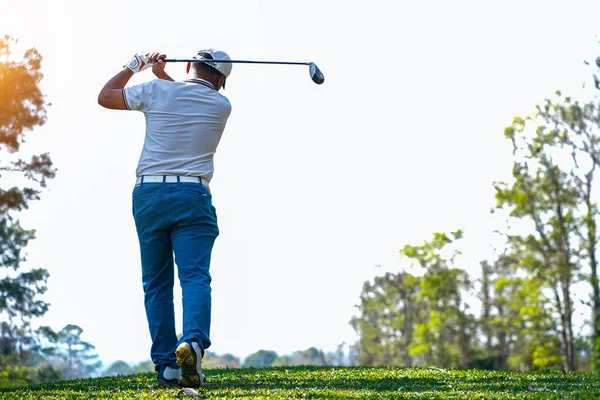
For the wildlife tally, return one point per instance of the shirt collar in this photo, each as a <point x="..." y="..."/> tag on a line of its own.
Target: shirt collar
<point x="202" y="82"/>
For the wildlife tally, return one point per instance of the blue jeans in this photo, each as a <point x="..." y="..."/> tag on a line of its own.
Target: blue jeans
<point x="179" y="219"/>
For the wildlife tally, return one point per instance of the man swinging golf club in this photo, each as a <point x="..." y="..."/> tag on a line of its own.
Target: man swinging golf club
<point x="172" y="203"/>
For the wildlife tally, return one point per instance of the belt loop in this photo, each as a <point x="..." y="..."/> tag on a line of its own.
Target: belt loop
<point x="178" y="180"/>
<point x="164" y="179"/>
<point x="142" y="181"/>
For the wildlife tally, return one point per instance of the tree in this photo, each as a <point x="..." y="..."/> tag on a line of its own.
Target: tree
<point x="519" y="331"/>
<point x="444" y="335"/>
<point x="310" y="356"/>
<point x="118" y="367"/>
<point x="71" y="353"/>
<point x="143" y="366"/>
<point x="407" y="320"/>
<point x="260" y="359"/>
<point x="22" y="108"/>
<point x="556" y="152"/>
<point x="345" y="354"/>
<point x="388" y="314"/>
<point x="212" y="360"/>
<point x="121" y="367"/>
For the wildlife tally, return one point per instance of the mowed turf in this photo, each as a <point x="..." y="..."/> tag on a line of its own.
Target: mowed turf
<point x="331" y="383"/>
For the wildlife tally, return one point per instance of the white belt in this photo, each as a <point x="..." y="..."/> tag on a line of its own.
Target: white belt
<point x="170" y="179"/>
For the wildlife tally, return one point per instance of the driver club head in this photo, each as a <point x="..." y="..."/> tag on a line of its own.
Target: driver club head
<point x="315" y="74"/>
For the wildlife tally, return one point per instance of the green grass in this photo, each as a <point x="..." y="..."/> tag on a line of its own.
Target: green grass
<point x="331" y="383"/>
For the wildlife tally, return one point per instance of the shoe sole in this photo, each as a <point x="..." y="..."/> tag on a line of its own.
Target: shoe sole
<point x="164" y="382"/>
<point x="186" y="359"/>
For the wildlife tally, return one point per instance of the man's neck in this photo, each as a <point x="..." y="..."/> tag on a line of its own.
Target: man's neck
<point x="203" y="81"/>
<point x="203" y="78"/>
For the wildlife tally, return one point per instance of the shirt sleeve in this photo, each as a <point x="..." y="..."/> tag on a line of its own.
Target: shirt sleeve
<point x="138" y="97"/>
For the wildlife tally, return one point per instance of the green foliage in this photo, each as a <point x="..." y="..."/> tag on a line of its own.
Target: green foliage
<point x="407" y="320"/>
<point x="72" y="355"/>
<point x="260" y="359"/>
<point x="556" y="152"/>
<point x="386" y="323"/>
<point x="14" y="374"/>
<point x="122" y="368"/>
<point x="22" y="108"/>
<point x="331" y="383"/>
<point x="21" y="99"/>
<point x="118" y="368"/>
<point x="441" y="334"/>
<point x="212" y="360"/>
<point x="143" y="366"/>
<point x="526" y="321"/>
<point x="310" y="356"/>
<point x="518" y="326"/>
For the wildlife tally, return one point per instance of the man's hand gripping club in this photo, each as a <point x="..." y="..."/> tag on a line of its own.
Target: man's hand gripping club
<point x="139" y="62"/>
<point x="142" y="61"/>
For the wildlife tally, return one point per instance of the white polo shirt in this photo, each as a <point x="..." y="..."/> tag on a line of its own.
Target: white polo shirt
<point x="184" y="124"/>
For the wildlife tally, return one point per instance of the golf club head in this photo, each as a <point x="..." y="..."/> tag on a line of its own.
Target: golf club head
<point x="315" y="74"/>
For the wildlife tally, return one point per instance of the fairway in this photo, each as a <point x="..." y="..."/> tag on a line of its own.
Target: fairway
<point x="332" y="383"/>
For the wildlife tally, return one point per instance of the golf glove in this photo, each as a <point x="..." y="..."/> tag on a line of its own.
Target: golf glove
<point x="139" y="62"/>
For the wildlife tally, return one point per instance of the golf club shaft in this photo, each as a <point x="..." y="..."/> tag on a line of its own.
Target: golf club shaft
<point x="236" y="61"/>
<point x="315" y="74"/>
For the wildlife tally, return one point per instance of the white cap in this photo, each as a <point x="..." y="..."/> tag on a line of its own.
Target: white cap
<point x="224" y="68"/>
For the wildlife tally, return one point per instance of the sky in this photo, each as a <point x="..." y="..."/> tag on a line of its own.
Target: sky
<point x="316" y="186"/>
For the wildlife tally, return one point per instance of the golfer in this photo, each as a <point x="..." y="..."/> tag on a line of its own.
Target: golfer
<point x="172" y="205"/>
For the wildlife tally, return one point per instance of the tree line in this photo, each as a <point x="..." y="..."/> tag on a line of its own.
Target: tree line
<point x="27" y="355"/>
<point x="344" y="355"/>
<point x="524" y="296"/>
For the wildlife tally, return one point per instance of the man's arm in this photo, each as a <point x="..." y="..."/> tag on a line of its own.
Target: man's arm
<point x="112" y="96"/>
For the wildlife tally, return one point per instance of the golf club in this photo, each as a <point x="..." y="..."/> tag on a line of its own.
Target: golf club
<point x="315" y="73"/>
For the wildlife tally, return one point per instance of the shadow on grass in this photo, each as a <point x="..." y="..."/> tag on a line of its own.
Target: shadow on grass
<point x="120" y="383"/>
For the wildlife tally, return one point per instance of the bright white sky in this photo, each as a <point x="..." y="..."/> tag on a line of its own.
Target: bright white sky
<point x="314" y="185"/>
